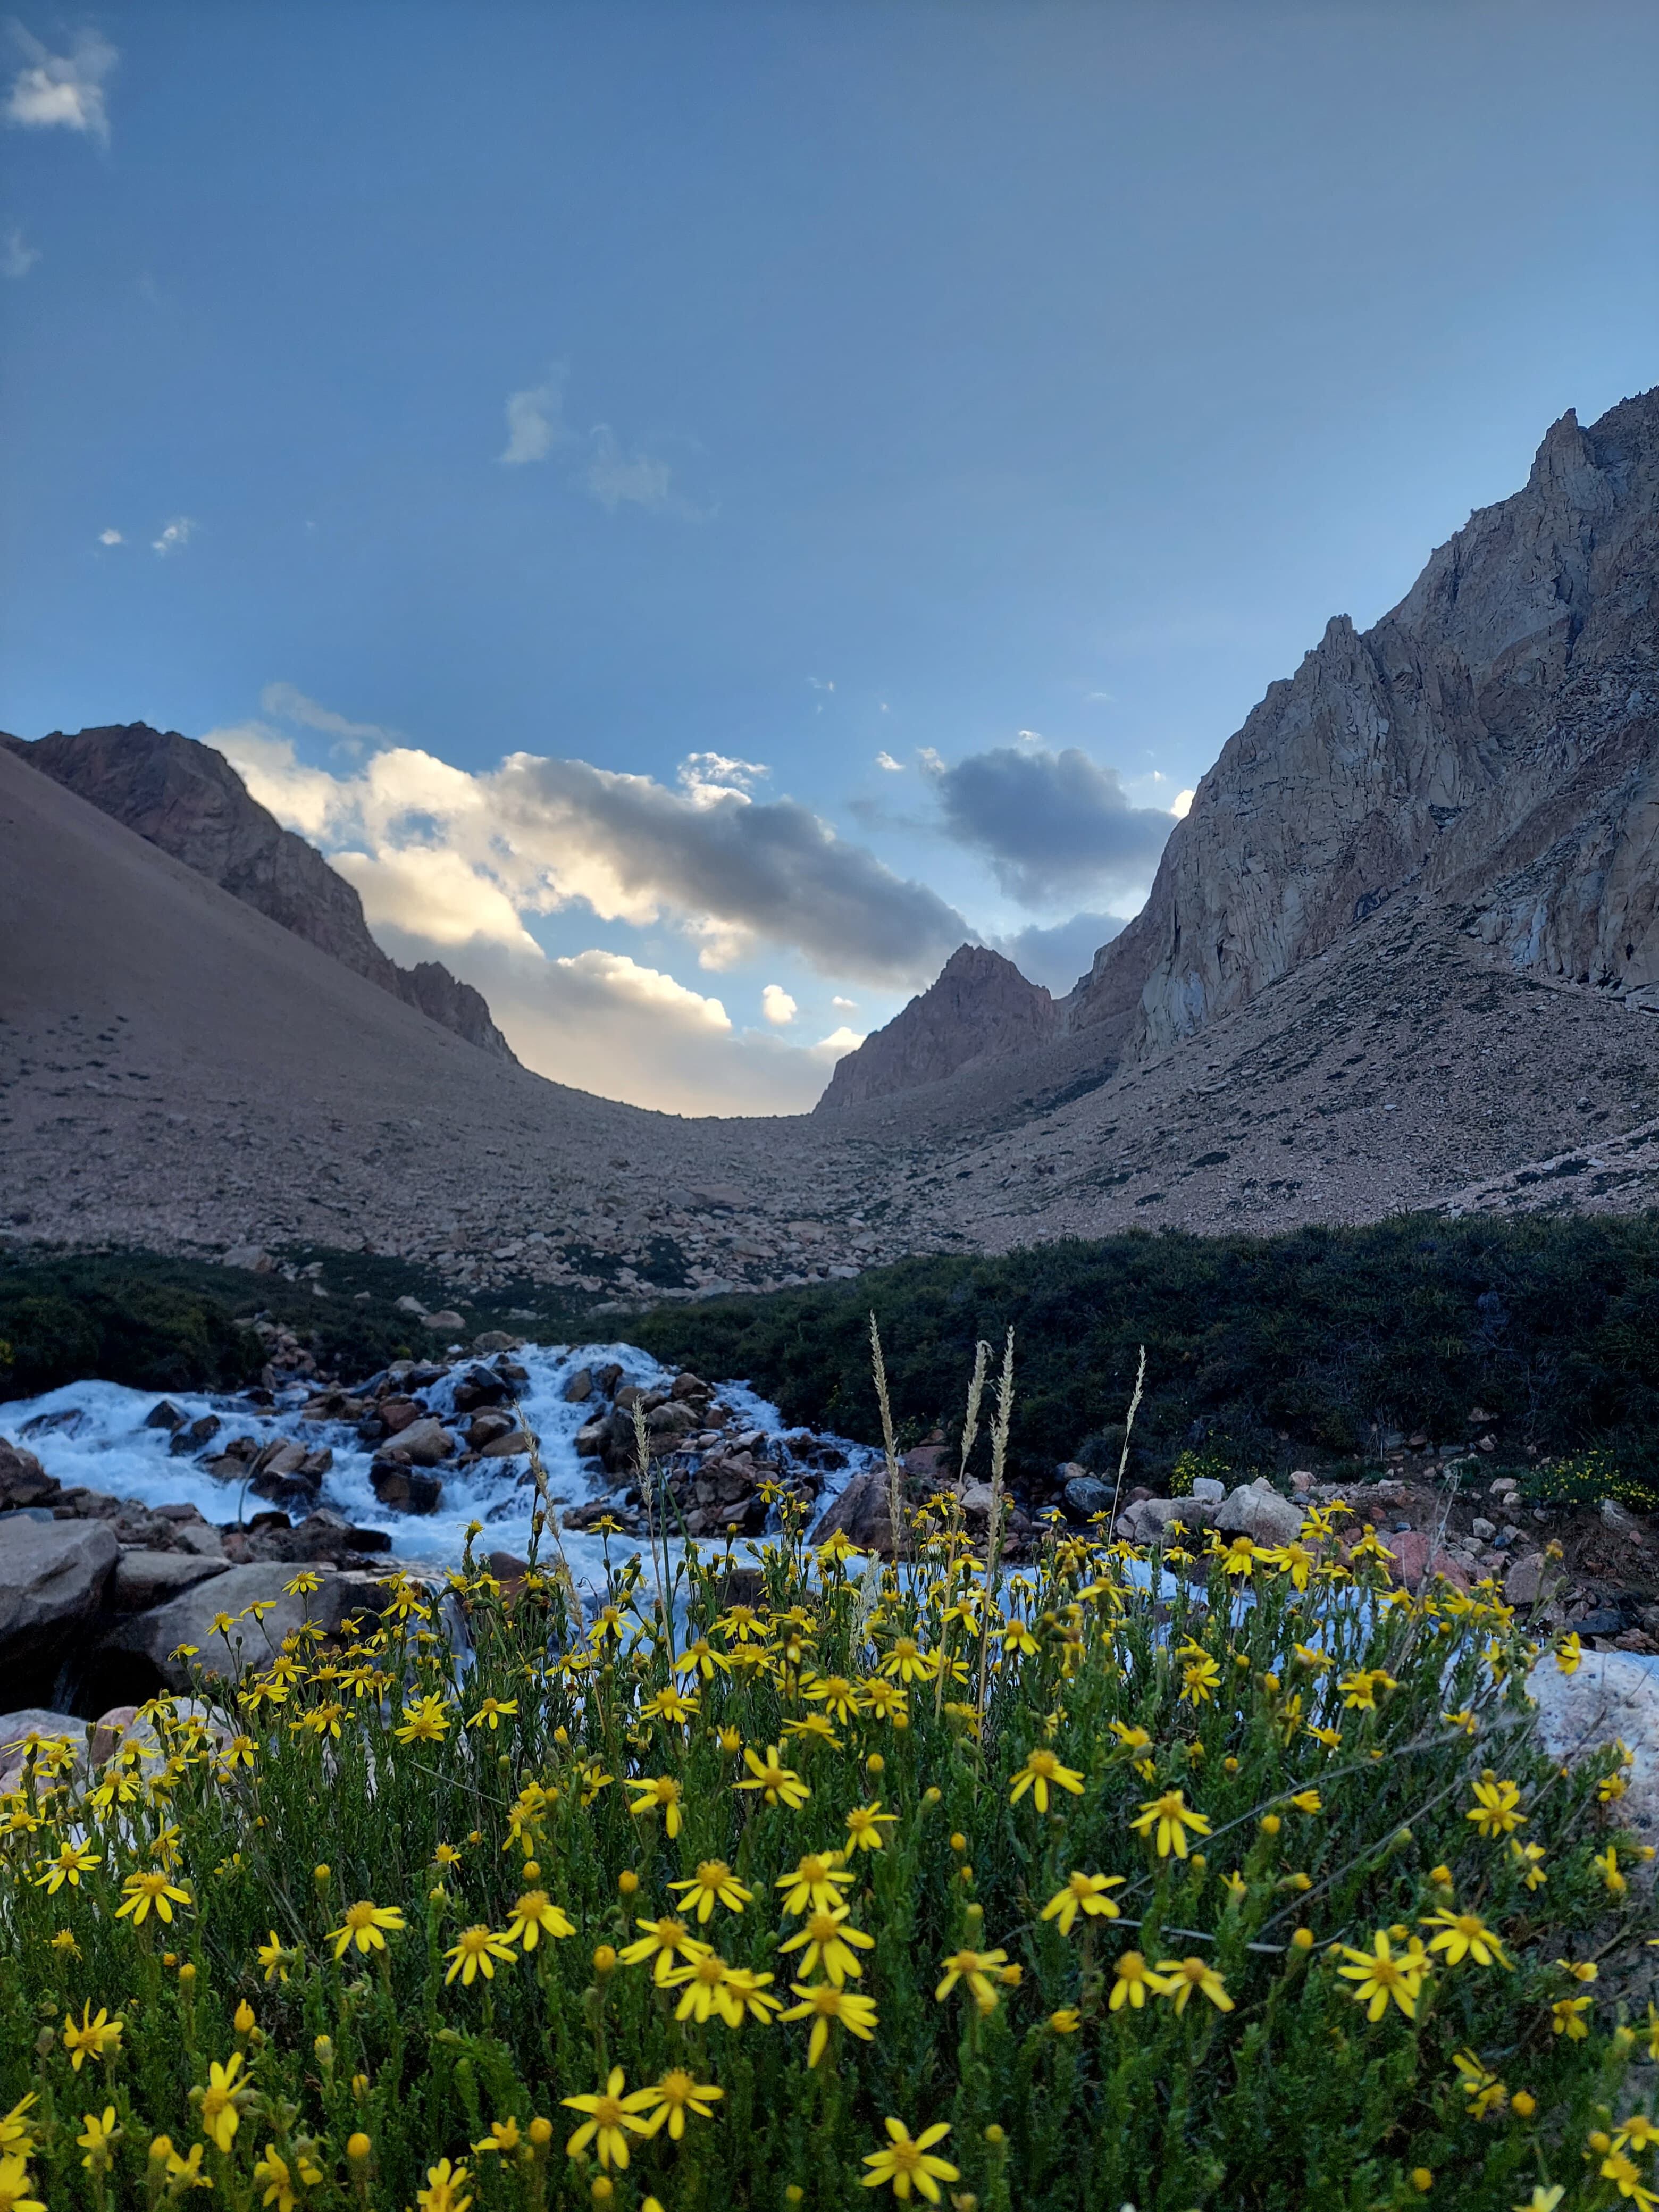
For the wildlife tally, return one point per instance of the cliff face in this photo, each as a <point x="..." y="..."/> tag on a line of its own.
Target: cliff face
<point x="188" y="799"/>
<point x="1490" y="745"/>
<point x="979" y="1007"/>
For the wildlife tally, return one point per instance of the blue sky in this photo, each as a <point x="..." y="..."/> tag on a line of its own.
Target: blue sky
<point x="706" y="402"/>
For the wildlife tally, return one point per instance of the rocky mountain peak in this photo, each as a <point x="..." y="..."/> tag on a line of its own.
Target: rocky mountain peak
<point x="186" y="799"/>
<point x="979" y="1007"/>
<point x="1487" y="747"/>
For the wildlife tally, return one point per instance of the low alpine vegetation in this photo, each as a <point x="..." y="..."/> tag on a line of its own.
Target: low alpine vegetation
<point x="782" y="1877"/>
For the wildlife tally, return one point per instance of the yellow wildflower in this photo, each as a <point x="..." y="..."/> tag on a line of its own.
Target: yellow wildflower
<point x="478" y="1951"/>
<point x="222" y="2101"/>
<point x="824" y="2003"/>
<point x="1184" y="1976"/>
<point x="1496" y="1811"/>
<point x="713" y="1883"/>
<point x="363" y="1923"/>
<point x="99" y="2133"/>
<point x="1384" y="1980"/>
<point x="777" y="1783"/>
<point x="72" y="1861"/>
<point x="657" y="1793"/>
<point x="534" y="1917"/>
<point x="93" y="2038"/>
<point x="663" y="1941"/>
<point x="613" y="2116"/>
<point x="145" y="1894"/>
<point x="975" y="1968"/>
<point x="1172" y="1816"/>
<point x="1464" y="1935"/>
<point x="1041" y="1769"/>
<point x="907" y="2161"/>
<point x="864" y="1824"/>
<point x="1085" y="1893"/>
<point x="676" y="2094"/>
<point x="827" y="1936"/>
<point x="817" y="1882"/>
<point x="1132" y="1980"/>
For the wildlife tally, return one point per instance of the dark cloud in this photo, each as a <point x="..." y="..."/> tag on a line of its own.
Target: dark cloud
<point x="1056" y="958"/>
<point x="1051" y="824"/>
<point x="751" y="869"/>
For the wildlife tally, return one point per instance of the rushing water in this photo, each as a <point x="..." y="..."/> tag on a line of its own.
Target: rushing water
<point x="92" y="1435"/>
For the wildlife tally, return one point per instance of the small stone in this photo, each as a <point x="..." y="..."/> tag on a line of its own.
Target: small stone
<point x="1484" y="1529"/>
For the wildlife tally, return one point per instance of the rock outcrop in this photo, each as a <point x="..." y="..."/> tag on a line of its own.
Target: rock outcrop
<point x="1492" y="745"/>
<point x="188" y="799"/>
<point x="980" y="1008"/>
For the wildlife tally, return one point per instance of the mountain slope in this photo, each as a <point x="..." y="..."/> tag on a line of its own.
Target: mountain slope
<point x="188" y="799"/>
<point x="1490" y="745"/>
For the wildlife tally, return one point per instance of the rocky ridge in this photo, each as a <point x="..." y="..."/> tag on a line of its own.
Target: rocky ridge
<point x="186" y="799"/>
<point x="979" y="1007"/>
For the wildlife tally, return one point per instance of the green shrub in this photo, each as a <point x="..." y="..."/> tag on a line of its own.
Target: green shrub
<point x="1585" y="1479"/>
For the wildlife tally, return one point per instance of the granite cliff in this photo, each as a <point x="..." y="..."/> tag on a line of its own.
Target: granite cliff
<point x="1490" y="745"/>
<point x="188" y="799"/>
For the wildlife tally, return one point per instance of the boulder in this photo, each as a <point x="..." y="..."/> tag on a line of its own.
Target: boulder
<point x="15" y="1728"/>
<point x="1622" y="1523"/>
<point x="1206" y="1487"/>
<point x="184" y="1619"/>
<point x="198" y="1536"/>
<point x="862" y="1513"/>
<point x="423" y="1443"/>
<point x="591" y="1436"/>
<point x="447" y="1323"/>
<point x="164" y="1415"/>
<point x="1255" y="1510"/>
<point x="1524" y="1582"/>
<point x="513" y="1445"/>
<point x="1416" y="1560"/>
<point x="145" y="1578"/>
<point x="1612" y="1695"/>
<point x="493" y="1339"/>
<point x="1085" y="1495"/>
<point x="54" y="1575"/>
<point x="404" y="1489"/>
<point x="1151" y="1520"/>
<point x="23" y="1480"/>
<point x="579" y="1388"/>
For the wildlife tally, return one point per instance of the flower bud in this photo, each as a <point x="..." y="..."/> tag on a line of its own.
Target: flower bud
<point x="1523" y="2104"/>
<point x="358" y="2148"/>
<point x="628" y="1881"/>
<point x="605" y="1960"/>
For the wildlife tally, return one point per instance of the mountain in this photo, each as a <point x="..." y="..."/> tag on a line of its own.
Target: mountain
<point x="1488" y="750"/>
<point x="980" y="1006"/>
<point x="188" y="799"/>
<point x="1492" y="745"/>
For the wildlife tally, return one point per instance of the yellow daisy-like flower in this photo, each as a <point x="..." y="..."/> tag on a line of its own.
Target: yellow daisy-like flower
<point x="1360" y="1689"/>
<point x="657" y="1793"/>
<point x="222" y="2101"/>
<point x="663" y="1941"/>
<point x="444" y="2184"/>
<point x="1133" y="1982"/>
<point x="493" y="1712"/>
<point x="99" y="2133"/>
<point x="836" y="1694"/>
<point x="1464" y="1936"/>
<point x="72" y="1861"/>
<point x="504" y="2136"/>
<point x="1383" y="1980"/>
<point x="17" y="2191"/>
<point x="827" y="1936"/>
<point x="974" y="1967"/>
<point x="713" y="1883"/>
<point x="864" y="1824"/>
<point x="534" y="1917"/>
<point x="826" y="2005"/>
<point x="1567" y="2018"/>
<point x="1171" y="1816"/>
<point x="1185" y="1977"/>
<point x="478" y="1951"/>
<point x="906" y="2162"/>
<point x="93" y="2039"/>
<point x="908" y="1663"/>
<point x="816" y="1883"/>
<point x="676" y="2094"/>
<point x="1086" y="1893"/>
<point x="1497" y="1807"/>
<point x="363" y="1924"/>
<point x="1042" y="1770"/>
<point x="425" y="1721"/>
<point x="776" y="1782"/>
<point x="145" y="1894"/>
<point x="613" y="2116"/>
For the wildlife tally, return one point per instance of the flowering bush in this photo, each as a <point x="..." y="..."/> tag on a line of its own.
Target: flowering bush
<point x="782" y="1880"/>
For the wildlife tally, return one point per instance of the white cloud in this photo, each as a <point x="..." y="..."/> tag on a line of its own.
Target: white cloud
<point x="1183" y="804"/>
<point x="730" y="871"/>
<point x="175" y="535"/>
<point x="845" y="1005"/>
<point x="886" y="761"/>
<point x="17" y="257"/>
<point x="932" y="760"/>
<point x="110" y="537"/>
<point x="62" y="90"/>
<point x="1031" y="736"/>
<point x="779" y="1008"/>
<point x="432" y="893"/>
<point x="535" y="419"/>
<point x="838" y="1042"/>
<point x="290" y="704"/>
<point x="711" y="775"/>
<point x="615" y="478"/>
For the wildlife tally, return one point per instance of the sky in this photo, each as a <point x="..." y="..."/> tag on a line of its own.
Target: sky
<point x="699" y="509"/>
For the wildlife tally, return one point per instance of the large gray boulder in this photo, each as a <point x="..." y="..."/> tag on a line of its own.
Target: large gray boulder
<point x="1612" y="1696"/>
<point x="863" y="1512"/>
<point x="1255" y="1510"/>
<point x="54" y="1575"/>
<point x="186" y="1619"/>
<point x="144" y="1579"/>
